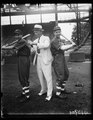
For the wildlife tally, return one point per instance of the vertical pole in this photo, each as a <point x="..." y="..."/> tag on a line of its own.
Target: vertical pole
<point x="77" y="27"/>
<point x="40" y="14"/>
<point x="9" y="14"/>
<point x="90" y="19"/>
<point x="25" y="19"/>
<point x="56" y="17"/>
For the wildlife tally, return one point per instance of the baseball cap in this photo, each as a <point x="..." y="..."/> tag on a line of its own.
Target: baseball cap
<point x="56" y="28"/>
<point x="18" y="31"/>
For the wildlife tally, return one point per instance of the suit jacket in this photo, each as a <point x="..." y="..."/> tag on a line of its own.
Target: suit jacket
<point x="44" y="46"/>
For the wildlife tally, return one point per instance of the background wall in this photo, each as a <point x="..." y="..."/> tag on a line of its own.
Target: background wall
<point x="8" y="30"/>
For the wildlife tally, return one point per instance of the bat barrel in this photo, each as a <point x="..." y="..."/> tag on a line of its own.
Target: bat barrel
<point x="17" y="40"/>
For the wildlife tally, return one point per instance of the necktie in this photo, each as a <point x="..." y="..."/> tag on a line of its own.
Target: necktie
<point x="38" y="50"/>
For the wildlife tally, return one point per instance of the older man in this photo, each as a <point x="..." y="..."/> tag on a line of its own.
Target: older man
<point x="44" y="61"/>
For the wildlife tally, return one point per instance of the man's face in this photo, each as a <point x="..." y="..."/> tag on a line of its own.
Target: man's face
<point x="18" y="36"/>
<point x="57" y="33"/>
<point x="38" y="33"/>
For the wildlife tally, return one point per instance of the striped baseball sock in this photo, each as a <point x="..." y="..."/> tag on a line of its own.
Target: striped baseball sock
<point x="63" y="86"/>
<point x="26" y="91"/>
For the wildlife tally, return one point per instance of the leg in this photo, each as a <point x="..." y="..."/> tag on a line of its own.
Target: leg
<point x="40" y="76"/>
<point x="66" y="75"/>
<point x="27" y="71"/>
<point x="23" y="71"/>
<point x="47" y="70"/>
<point x="60" y="74"/>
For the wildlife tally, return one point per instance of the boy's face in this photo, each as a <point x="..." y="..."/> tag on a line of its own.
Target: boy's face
<point x="18" y="36"/>
<point x="57" y="33"/>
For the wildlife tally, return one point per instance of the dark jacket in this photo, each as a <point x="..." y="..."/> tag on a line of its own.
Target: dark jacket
<point x="22" y="48"/>
<point x="55" y="47"/>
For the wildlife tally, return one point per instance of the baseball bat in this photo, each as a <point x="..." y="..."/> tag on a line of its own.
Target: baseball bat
<point x="16" y="40"/>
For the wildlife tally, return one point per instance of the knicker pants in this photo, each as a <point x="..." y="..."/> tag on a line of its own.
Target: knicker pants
<point x="61" y="70"/>
<point x="23" y="70"/>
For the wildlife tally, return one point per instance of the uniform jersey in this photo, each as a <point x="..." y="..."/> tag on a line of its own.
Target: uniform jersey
<point x="55" y="47"/>
<point x="59" y="64"/>
<point x="23" y="48"/>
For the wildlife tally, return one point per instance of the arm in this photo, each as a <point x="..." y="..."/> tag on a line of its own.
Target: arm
<point x="7" y="47"/>
<point x="20" y="44"/>
<point x="44" y="44"/>
<point x="67" y="47"/>
<point x="55" y="44"/>
<point x="32" y="43"/>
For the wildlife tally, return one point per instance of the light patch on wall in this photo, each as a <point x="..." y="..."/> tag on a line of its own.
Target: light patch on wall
<point x="5" y="20"/>
<point x="33" y="18"/>
<point x="48" y="17"/>
<point x="67" y="29"/>
<point x="17" y="19"/>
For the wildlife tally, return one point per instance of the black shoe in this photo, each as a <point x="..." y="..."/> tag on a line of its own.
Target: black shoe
<point x="20" y="96"/>
<point x="24" y="99"/>
<point x="61" y="96"/>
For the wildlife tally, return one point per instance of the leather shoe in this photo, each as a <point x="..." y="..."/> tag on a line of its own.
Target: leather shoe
<point x="41" y="93"/>
<point x="62" y="96"/>
<point x="48" y="98"/>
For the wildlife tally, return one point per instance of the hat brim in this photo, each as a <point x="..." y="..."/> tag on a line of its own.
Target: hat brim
<point x="56" y="29"/>
<point x="38" y="29"/>
<point x="18" y="33"/>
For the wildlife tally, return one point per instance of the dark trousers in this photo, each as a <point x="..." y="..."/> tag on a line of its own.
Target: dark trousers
<point x="61" y="70"/>
<point x="23" y="70"/>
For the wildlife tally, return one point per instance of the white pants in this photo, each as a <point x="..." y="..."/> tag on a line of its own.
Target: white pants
<point x="44" y="72"/>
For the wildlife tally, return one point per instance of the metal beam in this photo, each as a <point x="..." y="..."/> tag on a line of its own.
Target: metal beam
<point x="38" y="12"/>
<point x="71" y="21"/>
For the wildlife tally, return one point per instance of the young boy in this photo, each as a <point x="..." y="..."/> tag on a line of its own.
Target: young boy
<point x="23" y="54"/>
<point x="59" y="63"/>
